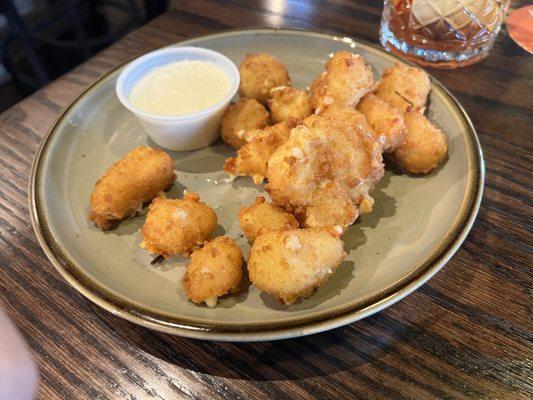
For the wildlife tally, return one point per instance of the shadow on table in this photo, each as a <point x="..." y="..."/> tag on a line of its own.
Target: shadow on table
<point x="372" y="340"/>
<point x="341" y="349"/>
<point x="321" y="354"/>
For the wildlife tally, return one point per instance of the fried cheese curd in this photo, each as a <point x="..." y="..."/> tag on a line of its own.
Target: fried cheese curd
<point x="177" y="226"/>
<point x="240" y="117"/>
<point x="424" y="146"/>
<point x="386" y="121"/>
<point x="260" y="144"/>
<point x="259" y="74"/>
<point x="405" y="88"/>
<point x="324" y="172"/>
<point x="288" y="102"/>
<point x="331" y="208"/>
<point x="310" y="120"/>
<point x="129" y="183"/>
<point x="263" y="217"/>
<point x="292" y="264"/>
<point x="214" y="271"/>
<point x="346" y="80"/>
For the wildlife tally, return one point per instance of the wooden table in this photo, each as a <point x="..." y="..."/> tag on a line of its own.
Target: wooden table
<point x="465" y="334"/>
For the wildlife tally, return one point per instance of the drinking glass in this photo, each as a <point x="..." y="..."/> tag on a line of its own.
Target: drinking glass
<point x="441" y="33"/>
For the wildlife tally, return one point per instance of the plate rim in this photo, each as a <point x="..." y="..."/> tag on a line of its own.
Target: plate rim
<point x="298" y="326"/>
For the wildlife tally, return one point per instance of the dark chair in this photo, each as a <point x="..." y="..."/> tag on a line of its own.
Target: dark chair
<point x="34" y="36"/>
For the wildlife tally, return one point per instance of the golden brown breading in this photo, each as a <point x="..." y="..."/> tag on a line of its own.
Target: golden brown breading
<point x="330" y="209"/>
<point x="133" y="180"/>
<point x="337" y="154"/>
<point x="214" y="270"/>
<point x="253" y="156"/>
<point x="260" y="73"/>
<point x="293" y="168"/>
<point x="262" y="217"/>
<point x="245" y="115"/>
<point x="310" y="120"/>
<point x="347" y="78"/>
<point x="405" y="88"/>
<point x="343" y="119"/>
<point x="175" y="226"/>
<point x="292" y="264"/>
<point x="386" y="121"/>
<point x="424" y="146"/>
<point x="352" y="147"/>
<point x="287" y="102"/>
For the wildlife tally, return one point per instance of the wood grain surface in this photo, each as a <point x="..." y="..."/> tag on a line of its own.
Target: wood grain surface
<point x="465" y="334"/>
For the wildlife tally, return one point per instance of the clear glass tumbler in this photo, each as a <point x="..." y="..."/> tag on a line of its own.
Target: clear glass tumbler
<point x="441" y="33"/>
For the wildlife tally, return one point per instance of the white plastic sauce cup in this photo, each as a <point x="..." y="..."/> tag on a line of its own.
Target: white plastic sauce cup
<point x="181" y="132"/>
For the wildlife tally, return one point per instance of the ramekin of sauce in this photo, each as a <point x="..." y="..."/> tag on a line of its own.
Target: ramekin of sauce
<point x="179" y="94"/>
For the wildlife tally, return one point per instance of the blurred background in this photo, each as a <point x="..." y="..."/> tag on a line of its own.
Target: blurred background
<point x="42" y="39"/>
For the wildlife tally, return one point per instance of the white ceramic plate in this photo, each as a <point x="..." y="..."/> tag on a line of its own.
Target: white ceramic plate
<point x="417" y="225"/>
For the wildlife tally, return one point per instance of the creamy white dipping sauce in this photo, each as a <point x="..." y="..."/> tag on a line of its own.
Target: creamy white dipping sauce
<point x="179" y="88"/>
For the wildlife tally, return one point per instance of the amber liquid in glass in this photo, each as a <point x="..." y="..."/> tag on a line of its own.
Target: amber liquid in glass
<point x="444" y="33"/>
